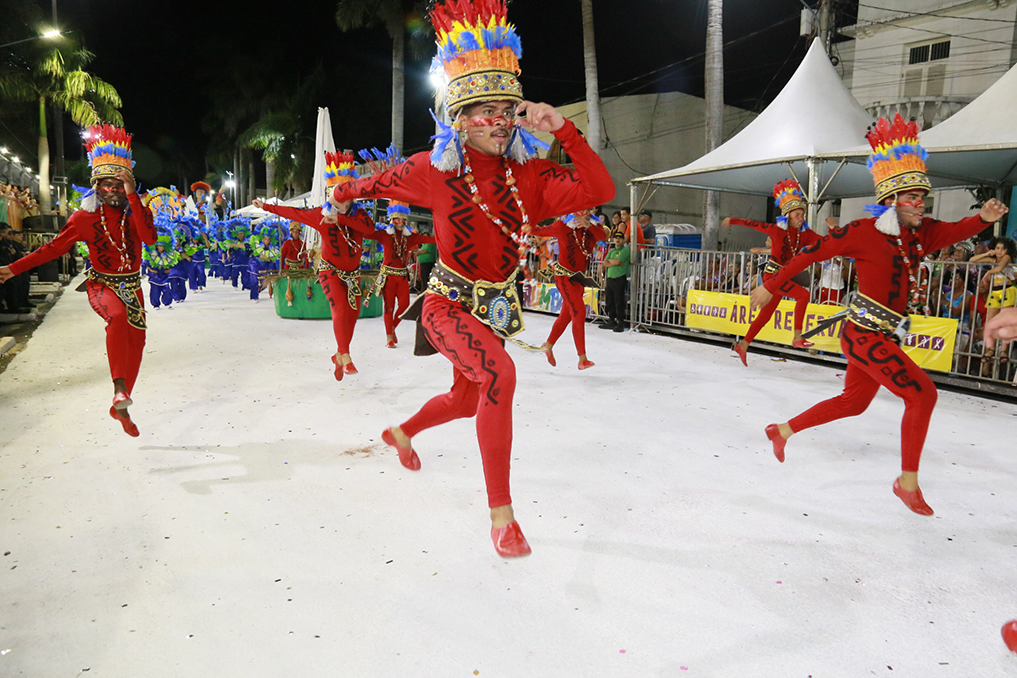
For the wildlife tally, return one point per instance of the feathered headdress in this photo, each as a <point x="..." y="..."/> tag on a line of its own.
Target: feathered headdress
<point x="479" y="52"/>
<point x="897" y="161"/>
<point x="109" y="151"/>
<point x="397" y="209"/>
<point x="201" y="186"/>
<point x="788" y="197"/>
<point x="339" y="169"/>
<point x="381" y="161"/>
<point x="571" y="221"/>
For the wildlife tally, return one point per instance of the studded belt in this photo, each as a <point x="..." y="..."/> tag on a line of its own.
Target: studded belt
<point x="871" y="315"/>
<point x="125" y="286"/>
<point x="386" y="271"/>
<point x="772" y="266"/>
<point x="351" y="278"/>
<point x="496" y="305"/>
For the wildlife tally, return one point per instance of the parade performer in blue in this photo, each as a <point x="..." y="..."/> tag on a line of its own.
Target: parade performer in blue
<point x="265" y="255"/>
<point x="160" y="258"/>
<point x="240" y="254"/>
<point x="196" y="277"/>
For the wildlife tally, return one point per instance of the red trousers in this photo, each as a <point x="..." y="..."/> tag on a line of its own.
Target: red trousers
<point x="573" y="310"/>
<point x="483" y="383"/>
<point x="788" y="289"/>
<point x="124" y="342"/>
<point x="344" y="317"/>
<point x="396" y="292"/>
<point x="874" y="361"/>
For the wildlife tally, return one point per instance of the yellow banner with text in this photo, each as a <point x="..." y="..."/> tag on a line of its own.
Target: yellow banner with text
<point x="930" y="342"/>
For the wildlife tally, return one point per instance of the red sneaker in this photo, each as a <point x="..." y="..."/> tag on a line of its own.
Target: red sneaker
<point x="912" y="499"/>
<point x="586" y="364"/>
<point x="549" y="354"/>
<point x="129" y="426"/>
<point x="801" y="343"/>
<point x="737" y="348"/>
<point x="350" y="368"/>
<point x="390" y="344"/>
<point x="509" y="541"/>
<point x="407" y="457"/>
<point x="338" y="369"/>
<point x="773" y="433"/>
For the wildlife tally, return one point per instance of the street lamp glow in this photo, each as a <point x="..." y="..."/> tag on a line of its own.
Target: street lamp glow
<point x="3" y="149"/>
<point x="438" y="79"/>
<point x="15" y="159"/>
<point x="229" y="184"/>
<point x="51" y="33"/>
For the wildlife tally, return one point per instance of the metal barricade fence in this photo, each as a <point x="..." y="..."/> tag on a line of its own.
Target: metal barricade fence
<point x="664" y="276"/>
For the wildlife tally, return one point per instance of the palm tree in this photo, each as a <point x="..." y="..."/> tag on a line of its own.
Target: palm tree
<point x="592" y="83"/>
<point x="58" y="78"/>
<point x="714" y="111"/>
<point x="351" y="15"/>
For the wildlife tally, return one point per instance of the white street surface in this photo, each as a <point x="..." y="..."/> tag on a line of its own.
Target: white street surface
<point x="259" y="527"/>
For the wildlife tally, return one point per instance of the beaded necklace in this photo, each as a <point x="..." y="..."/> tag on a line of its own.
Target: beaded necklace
<point x="580" y="237"/>
<point x="916" y="302"/>
<point x="125" y="260"/>
<point x="478" y="200"/>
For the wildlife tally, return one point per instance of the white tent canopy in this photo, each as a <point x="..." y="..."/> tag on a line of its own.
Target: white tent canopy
<point x="814" y="115"/>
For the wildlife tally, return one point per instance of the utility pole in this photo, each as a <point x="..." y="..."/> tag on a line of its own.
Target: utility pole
<point x="714" y="112"/>
<point x="826" y="16"/>
<point x="593" y="134"/>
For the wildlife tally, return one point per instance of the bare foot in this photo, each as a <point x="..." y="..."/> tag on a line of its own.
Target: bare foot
<point x="501" y="516"/>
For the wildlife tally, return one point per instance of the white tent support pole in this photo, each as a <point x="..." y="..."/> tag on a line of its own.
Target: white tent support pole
<point x="813" y="192"/>
<point x="633" y="268"/>
<point x="794" y="176"/>
<point x="832" y="177"/>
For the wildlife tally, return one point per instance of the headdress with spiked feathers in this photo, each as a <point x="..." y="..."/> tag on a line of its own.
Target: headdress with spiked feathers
<point x="572" y="222"/>
<point x="109" y="151"/>
<point x="398" y="210"/>
<point x="381" y="161"/>
<point x="338" y="170"/>
<point x="788" y="197"/>
<point x="897" y="163"/>
<point x="479" y="52"/>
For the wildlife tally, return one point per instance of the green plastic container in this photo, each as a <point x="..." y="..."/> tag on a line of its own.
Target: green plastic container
<point x="317" y="307"/>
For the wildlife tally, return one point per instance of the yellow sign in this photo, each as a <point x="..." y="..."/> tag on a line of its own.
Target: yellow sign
<point x="546" y="297"/>
<point x="930" y="342"/>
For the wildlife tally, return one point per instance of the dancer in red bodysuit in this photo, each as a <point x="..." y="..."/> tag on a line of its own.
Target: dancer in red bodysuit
<point x="113" y="223"/>
<point x="888" y="251"/>
<point x="342" y="228"/>
<point x="483" y="194"/>
<point x="393" y="283"/>
<point x="789" y="236"/>
<point x="577" y="235"/>
<point x="293" y="255"/>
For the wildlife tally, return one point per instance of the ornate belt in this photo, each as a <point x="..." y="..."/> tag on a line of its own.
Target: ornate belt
<point x="496" y="305"/>
<point x="871" y="315"/>
<point x="556" y="269"/>
<point x="772" y="266"/>
<point x="125" y="286"/>
<point x="351" y="278"/>
<point x="386" y="271"/>
<point x="292" y="264"/>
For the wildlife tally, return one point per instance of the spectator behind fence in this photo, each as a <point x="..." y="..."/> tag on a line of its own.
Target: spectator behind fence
<point x="832" y="280"/>
<point x="649" y="230"/>
<point x="998" y="287"/>
<point x="617" y="266"/>
<point x="15" y="291"/>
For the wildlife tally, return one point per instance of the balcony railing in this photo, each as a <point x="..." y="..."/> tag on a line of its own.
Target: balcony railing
<point x="930" y="110"/>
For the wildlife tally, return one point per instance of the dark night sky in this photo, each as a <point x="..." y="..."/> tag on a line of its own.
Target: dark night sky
<point x="164" y="58"/>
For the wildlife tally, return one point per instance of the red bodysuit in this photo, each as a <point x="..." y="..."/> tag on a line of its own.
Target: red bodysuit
<point x="472" y="245"/>
<point x="787" y="242"/>
<point x="873" y="359"/>
<point x="397" y="283"/>
<point x="574" y="248"/>
<point x="341" y="247"/>
<point x="293" y="250"/>
<point x="125" y="343"/>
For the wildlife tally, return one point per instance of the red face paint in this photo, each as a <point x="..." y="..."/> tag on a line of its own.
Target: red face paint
<point x="478" y="121"/>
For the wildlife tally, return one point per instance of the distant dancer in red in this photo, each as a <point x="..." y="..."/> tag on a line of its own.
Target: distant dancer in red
<point x="293" y="255"/>
<point x="789" y="236"/>
<point x="342" y="228"/>
<point x="484" y="187"/>
<point x="393" y="283"/>
<point x="888" y="253"/>
<point x="113" y="223"/>
<point x="577" y="236"/>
